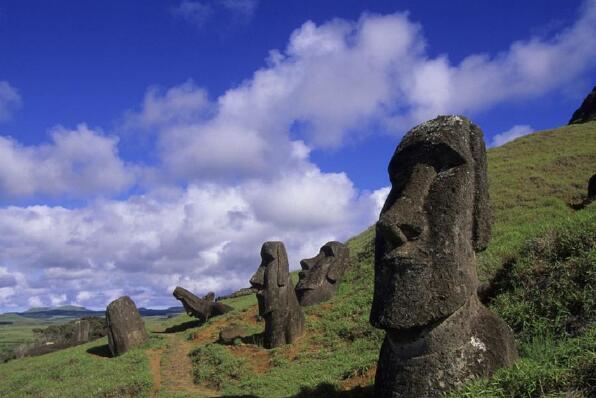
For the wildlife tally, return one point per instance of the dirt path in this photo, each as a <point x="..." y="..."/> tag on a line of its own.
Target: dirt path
<point x="171" y="369"/>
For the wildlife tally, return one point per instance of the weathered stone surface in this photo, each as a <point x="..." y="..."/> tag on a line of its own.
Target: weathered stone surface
<point x="322" y="274"/>
<point x="278" y="305"/>
<point x="126" y="329"/>
<point x="200" y="308"/>
<point x="587" y="111"/>
<point x="209" y="297"/>
<point x="231" y="333"/>
<point x="434" y="220"/>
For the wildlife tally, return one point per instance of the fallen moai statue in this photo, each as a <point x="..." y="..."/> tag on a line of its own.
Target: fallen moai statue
<point x="434" y="220"/>
<point x="126" y="328"/>
<point x="200" y="308"/>
<point x="322" y="274"/>
<point x="278" y="305"/>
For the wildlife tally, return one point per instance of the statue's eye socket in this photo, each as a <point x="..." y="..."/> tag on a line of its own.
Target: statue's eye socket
<point x="328" y="251"/>
<point x="267" y="258"/>
<point x="439" y="156"/>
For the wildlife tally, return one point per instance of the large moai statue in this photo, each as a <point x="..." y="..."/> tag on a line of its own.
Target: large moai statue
<point x="202" y="309"/>
<point x="126" y="329"/>
<point x="434" y="220"/>
<point x="278" y="305"/>
<point x="322" y="274"/>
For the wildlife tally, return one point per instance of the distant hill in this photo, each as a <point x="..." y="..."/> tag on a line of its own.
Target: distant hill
<point x="72" y="311"/>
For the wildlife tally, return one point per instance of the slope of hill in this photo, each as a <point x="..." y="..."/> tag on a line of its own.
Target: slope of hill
<point x="541" y="264"/>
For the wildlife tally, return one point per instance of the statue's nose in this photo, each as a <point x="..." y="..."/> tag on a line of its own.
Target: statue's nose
<point x="396" y="231"/>
<point x="306" y="264"/>
<point x="258" y="279"/>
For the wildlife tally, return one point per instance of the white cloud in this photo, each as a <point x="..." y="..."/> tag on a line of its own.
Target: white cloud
<point x="335" y="80"/>
<point x="206" y="237"/>
<point x="76" y="163"/>
<point x="194" y="12"/>
<point x="35" y="302"/>
<point x="198" y="13"/>
<point x="519" y="130"/>
<point x="10" y="100"/>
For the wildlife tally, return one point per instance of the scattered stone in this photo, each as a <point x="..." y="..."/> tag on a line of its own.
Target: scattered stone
<point x="322" y="274"/>
<point x="434" y="220"/>
<point x="126" y="329"/>
<point x="587" y="111"/>
<point x="230" y="334"/>
<point x="200" y="308"/>
<point x="278" y="305"/>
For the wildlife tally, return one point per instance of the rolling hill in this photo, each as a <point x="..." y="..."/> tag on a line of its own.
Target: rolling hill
<point x="541" y="269"/>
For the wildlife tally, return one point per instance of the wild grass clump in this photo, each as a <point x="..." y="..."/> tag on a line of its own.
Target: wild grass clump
<point x="548" y="367"/>
<point x="548" y="289"/>
<point x="214" y="365"/>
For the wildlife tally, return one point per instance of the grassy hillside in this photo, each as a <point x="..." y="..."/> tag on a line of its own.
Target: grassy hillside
<point x="541" y="264"/>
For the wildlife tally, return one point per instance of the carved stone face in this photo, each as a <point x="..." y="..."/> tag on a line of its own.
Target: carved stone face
<point x="321" y="274"/>
<point x="431" y="224"/>
<point x="272" y="279"/>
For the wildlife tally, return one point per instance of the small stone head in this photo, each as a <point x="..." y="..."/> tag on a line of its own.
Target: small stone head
<point x="434" y="220"/>
<point x="272" y="279"/>
<point x="321" y="274"/>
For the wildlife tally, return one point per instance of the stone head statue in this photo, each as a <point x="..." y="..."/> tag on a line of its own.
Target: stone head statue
<point x="284" y="320"/>
<point x="434" y="220"/>
<point x="272" y="278"/>
<point x="322" y="274"/>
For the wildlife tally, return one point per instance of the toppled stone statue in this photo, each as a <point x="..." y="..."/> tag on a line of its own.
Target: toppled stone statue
<point x="126" y="329"/>
<point x="278" y="305"/>
<point x="587" y="111"/>
<point x="322" y="274"/>
<point x="434" y="220"/>
<point x="209" y="297"/>
<point x="202" y="309"/>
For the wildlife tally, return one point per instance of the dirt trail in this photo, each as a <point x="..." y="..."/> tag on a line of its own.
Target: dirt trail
<point x="171" y="369"/>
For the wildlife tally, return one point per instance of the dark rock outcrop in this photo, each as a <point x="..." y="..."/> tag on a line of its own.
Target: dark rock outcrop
<point x="278" y="305"/>
<point x="592" y="188"/>
<point x="200" y="308"/>
<point x="322" y="274"/>
<point x="126" y="329"/>
<point x="434" y="220"/>
<point x="587" y="111"/>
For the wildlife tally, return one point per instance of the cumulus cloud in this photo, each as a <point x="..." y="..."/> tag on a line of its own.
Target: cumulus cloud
<point x="76" y="163"/>
<point x="519" y="130"/>
<point x="335" y="80"/>
<point x="206" y="237"/>
<point x="10" y="100"/>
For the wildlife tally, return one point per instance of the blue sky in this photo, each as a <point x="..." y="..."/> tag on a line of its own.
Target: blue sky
<point x="149" y="144"/>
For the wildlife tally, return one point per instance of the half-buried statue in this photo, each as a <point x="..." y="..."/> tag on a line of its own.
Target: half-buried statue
<point x="434" y="220"/>
<point x="278" y="305"/>
<point x="322" y="274"/>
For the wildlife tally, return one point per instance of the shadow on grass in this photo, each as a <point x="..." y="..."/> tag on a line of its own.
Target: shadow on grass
<point x="324" y="390"/>
<point x="183" y="326"/>
<point x="327" y="390"/>
<point x="100" y="351"/>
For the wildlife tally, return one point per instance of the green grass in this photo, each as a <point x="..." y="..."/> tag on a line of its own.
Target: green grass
<point x="545" y="292"/>
<point x="79" y="372"/>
